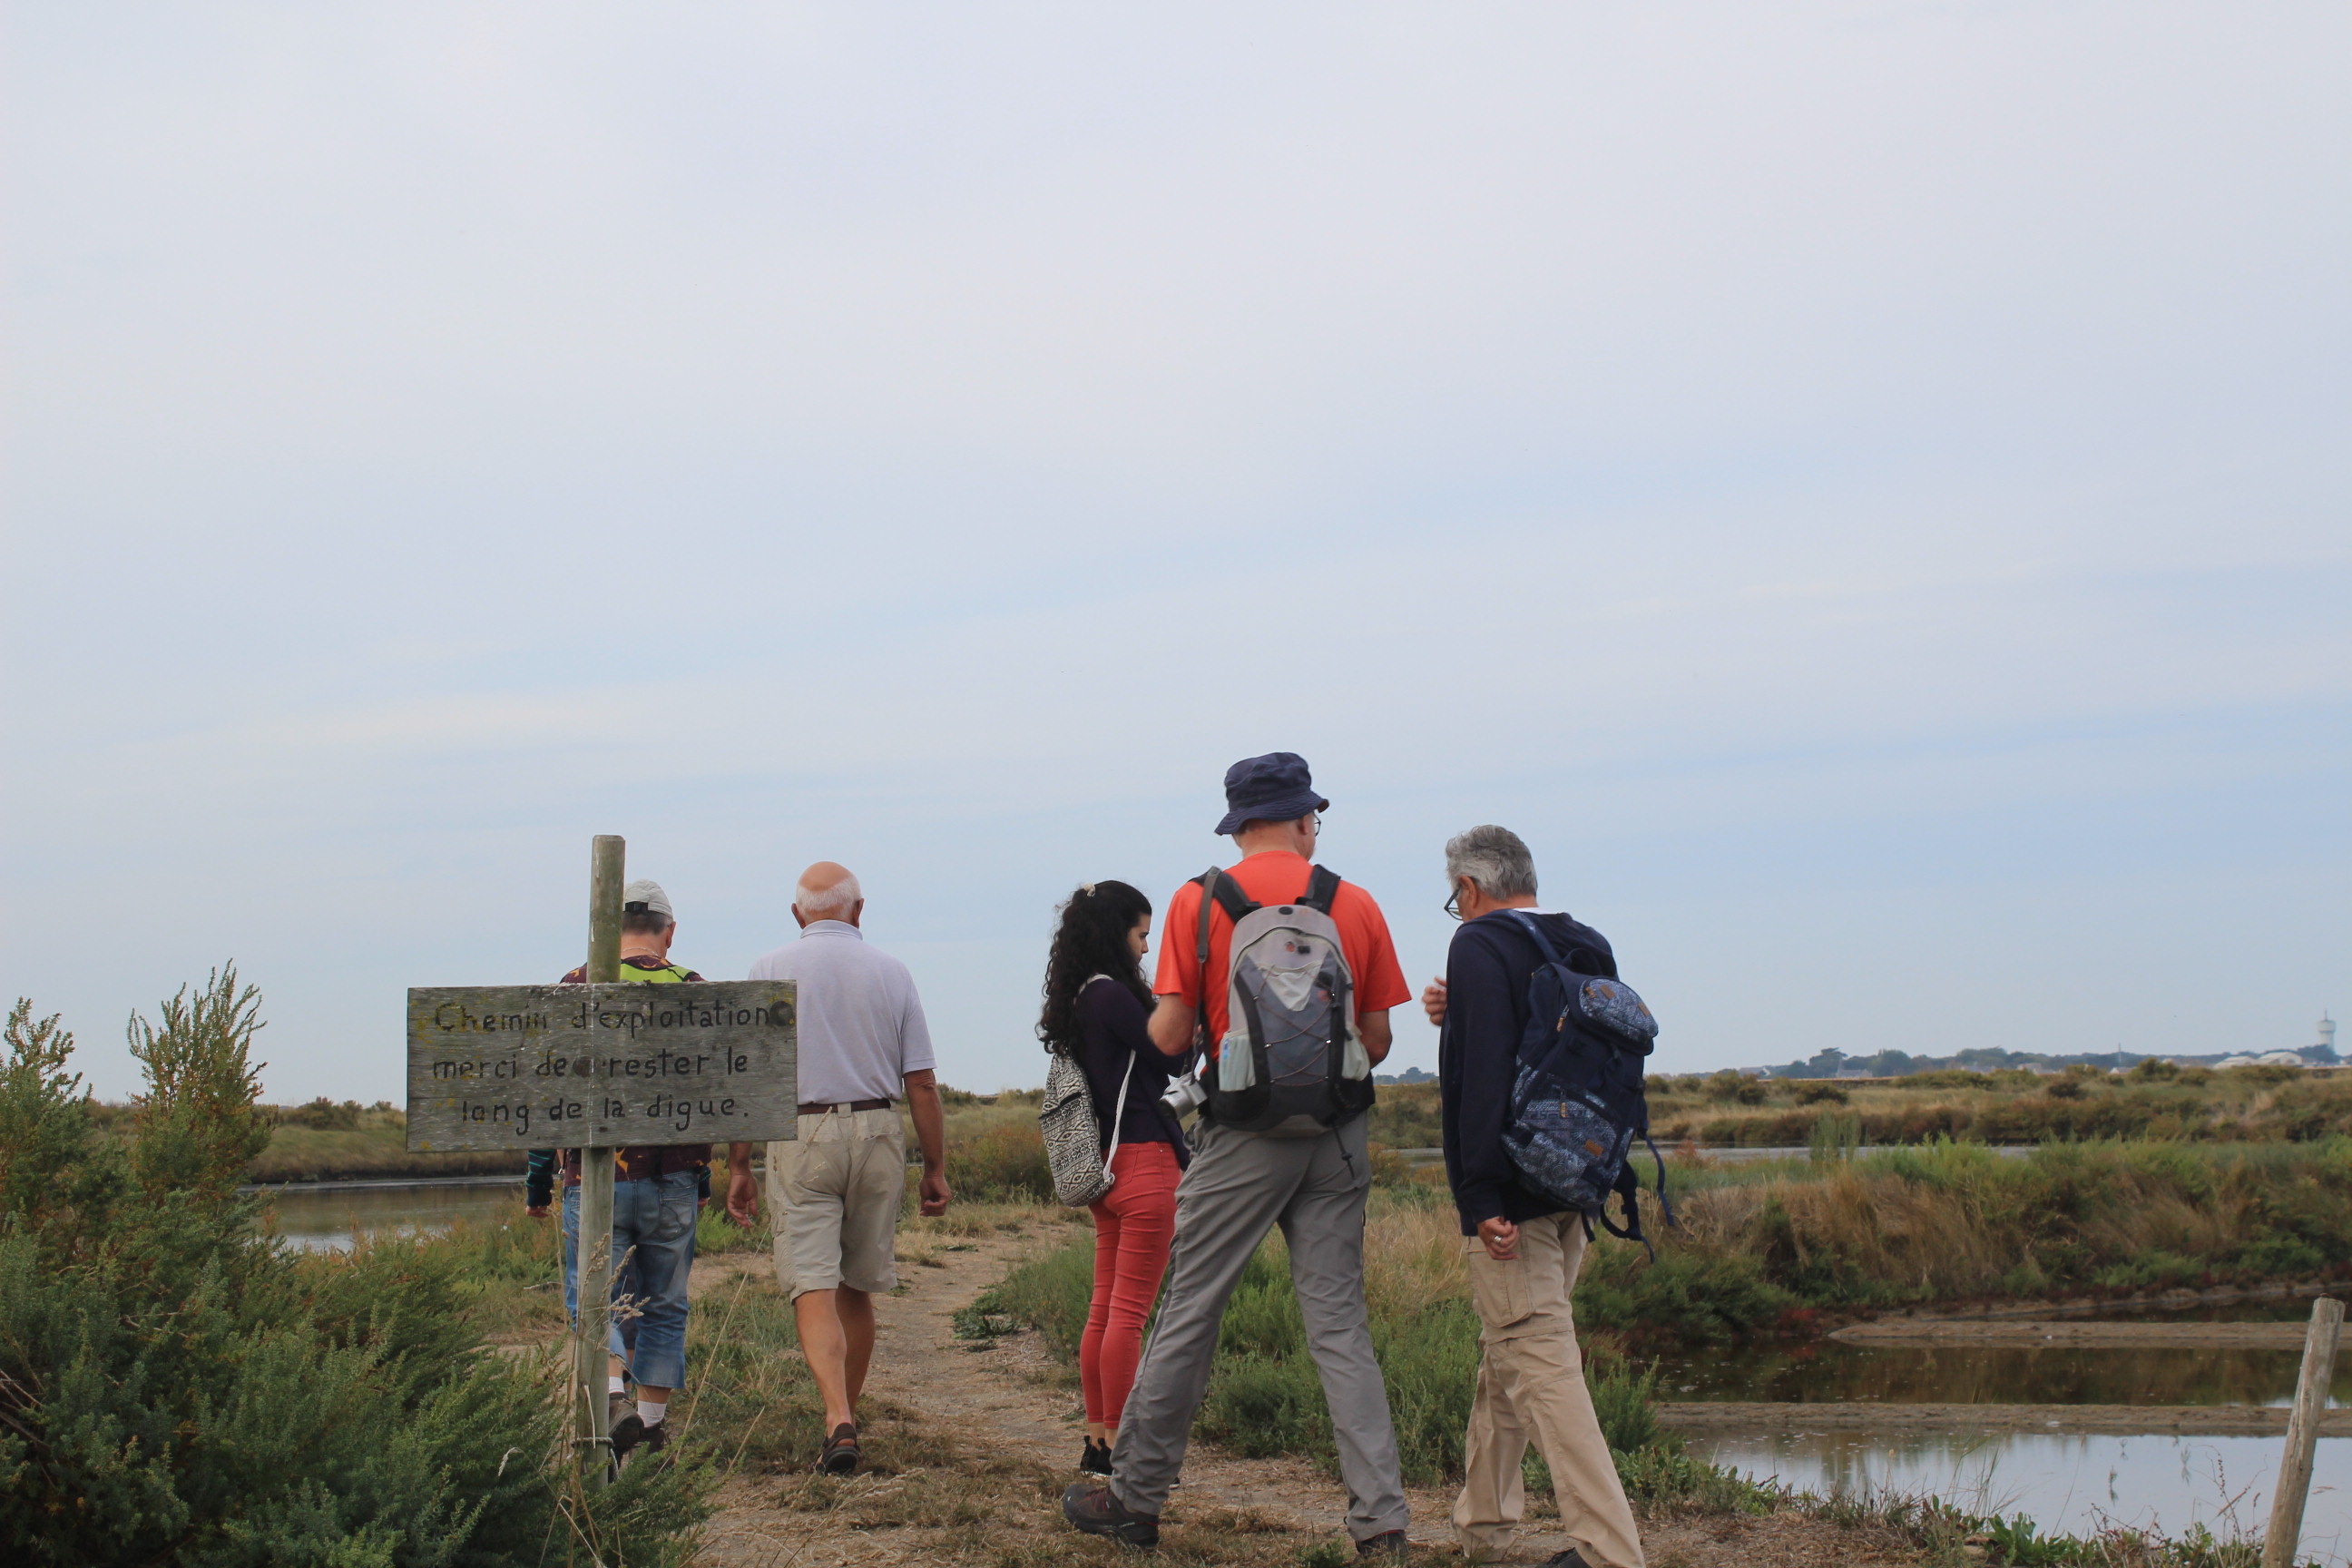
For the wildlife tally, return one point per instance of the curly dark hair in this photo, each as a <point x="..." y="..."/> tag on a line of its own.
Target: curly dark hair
<point x="1090" y="940"/>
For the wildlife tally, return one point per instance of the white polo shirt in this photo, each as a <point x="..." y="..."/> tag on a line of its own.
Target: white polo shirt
<point x="861" y="1024"/>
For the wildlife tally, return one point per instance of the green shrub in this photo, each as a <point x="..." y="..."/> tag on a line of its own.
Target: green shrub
<point x="1004" y="1163"/>
<point x="1052" y="1292"/>
<point x="179" y="1390"/>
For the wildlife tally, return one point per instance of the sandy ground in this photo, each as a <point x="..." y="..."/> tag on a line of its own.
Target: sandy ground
<point x="1014" y="1404"/>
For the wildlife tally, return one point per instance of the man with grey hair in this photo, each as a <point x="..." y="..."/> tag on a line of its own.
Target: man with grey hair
<point x="1522" y="1249"/>
<point x="834" y="1192"/>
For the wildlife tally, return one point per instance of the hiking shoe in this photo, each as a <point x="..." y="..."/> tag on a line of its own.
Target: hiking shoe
<point x="654" y="1439"/>
<point x="840" y="1456"/>
<point x="1388" y="1546"/>
<point x="1096" y="1510"/>
<point x="1095" y="1460"/>
<point x="623" y="1425"/>
<point x="1571" y="1558"/>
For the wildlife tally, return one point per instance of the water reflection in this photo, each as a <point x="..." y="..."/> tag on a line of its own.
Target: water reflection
<point x="1830" y="1372"/>
<point x="328" y="1219"/>
<point x="2075" y="1485"/>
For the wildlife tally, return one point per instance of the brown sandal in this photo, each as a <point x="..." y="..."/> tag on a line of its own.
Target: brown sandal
<point x="840" y="1456"/>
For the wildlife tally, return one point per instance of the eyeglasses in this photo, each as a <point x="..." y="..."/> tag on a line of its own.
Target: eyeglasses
<point x="1453" y="904"/>
<point x="1319" y="823"/>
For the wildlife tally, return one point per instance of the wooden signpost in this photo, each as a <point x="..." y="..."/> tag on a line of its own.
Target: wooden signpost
<point x="2284" y="1535"/>
<point x="597" y="1067"/>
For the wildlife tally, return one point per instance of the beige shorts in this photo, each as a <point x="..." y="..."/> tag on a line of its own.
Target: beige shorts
<point x="832" y="1198"/>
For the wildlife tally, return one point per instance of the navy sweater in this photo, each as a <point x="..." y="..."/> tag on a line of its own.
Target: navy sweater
<point x="1112" y="1033"/>
<point x="1486" y="973"/>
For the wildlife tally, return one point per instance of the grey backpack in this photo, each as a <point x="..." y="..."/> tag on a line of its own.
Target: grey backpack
<point x="1291" y="1064"/>
<point x="1075" y="1144"/>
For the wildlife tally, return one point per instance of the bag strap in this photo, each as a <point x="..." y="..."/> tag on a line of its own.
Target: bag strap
<point x="1533" y="928"/>
<point x="1119" y="1116"/>
<point x="1628" y="1190"/>
<point x="1216" y="889"/>
<point x="1237" y="905"/>
<point x="1322" y="887"/>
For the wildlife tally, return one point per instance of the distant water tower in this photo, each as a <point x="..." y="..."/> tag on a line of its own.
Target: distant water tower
<point x="2326" y="1033"/>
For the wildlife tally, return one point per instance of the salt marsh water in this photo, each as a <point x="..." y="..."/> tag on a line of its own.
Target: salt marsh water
<point x="328" y="1217"/>
<point x="2073" y="1485"/>
<point x="1835" y="1371"/>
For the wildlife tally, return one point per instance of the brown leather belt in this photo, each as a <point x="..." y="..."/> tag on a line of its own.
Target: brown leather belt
<point x="812" y="1109"/>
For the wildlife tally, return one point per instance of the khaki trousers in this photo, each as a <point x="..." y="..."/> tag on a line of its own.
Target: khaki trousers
<point x="1531" y="1385"/>
<point x="834" y="1196"/>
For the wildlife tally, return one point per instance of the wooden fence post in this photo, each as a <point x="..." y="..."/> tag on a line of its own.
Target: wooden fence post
<point x="2284" y="1535"/>
<point x="591" y="1427"/>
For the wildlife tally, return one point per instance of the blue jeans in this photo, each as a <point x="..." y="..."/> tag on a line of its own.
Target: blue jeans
<point x="652" y="1250"/>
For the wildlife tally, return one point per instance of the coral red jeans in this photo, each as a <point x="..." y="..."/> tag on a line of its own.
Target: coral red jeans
<point x="1134" y="1223"/>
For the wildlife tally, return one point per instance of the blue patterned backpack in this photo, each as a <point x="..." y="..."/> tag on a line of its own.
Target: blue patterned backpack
<point x="1577" y="1103"/>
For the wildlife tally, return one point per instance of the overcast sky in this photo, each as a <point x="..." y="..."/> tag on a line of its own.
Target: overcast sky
<point x="1861" y="488"/>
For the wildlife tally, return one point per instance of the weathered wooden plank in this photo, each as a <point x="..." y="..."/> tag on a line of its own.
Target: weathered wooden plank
<point x="591" y="1326"/>
<point x="2282" y="1541"/>
<point x="545" y="1067"/>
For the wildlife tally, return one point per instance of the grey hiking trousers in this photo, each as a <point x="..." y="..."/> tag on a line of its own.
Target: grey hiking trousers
<point x="1241" y="1185"/>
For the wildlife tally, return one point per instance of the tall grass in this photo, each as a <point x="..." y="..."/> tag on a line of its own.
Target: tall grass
<point x="1951" y="1221"/>
<point x="2254" y="1104"/>
<point x="1760" y="1253"/>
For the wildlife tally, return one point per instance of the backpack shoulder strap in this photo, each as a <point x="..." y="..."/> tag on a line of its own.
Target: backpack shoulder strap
<point x="1322" y="887"/>
<point x="1533" y="928"/>
<point x="1216" y="889"/>
<point x="1228" y="893"/>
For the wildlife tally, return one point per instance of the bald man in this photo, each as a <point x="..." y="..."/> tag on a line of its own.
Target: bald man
<point x="836" y="1192"/>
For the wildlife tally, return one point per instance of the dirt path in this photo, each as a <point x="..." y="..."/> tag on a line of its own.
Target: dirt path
<point x="1013" y="1398"/>
<point x="1015" y="1402"/>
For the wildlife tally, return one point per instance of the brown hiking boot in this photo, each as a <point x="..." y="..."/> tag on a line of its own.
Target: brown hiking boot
<point x="1096" y="1509"/>
<point x="623" y="1425"/>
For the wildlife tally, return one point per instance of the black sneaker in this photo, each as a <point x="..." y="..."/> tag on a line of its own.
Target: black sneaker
<point x="1095" y="1460"/>
<point x="1096" y="1510"/>
<point x="656" y="1438"/>
<point x="1571" y="1558"/>
<point x="1388" y="1546"/>
<point x="840" y="1456"/>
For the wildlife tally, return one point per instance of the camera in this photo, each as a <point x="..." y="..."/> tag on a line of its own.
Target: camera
<point x="1186" y="1094"/>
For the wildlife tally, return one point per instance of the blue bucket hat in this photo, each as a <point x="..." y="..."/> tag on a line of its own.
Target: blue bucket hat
<point x="1276" y="787"/>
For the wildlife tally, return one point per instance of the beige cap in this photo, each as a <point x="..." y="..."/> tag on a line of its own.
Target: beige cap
<point x="644" y="896"/>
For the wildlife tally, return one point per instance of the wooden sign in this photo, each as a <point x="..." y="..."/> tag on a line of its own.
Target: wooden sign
<point x="596" y="1067"/>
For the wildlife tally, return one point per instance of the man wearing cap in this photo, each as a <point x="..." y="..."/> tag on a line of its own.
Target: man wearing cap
<point x="656" y="1197"/>
<point x="1242" y="1184"/>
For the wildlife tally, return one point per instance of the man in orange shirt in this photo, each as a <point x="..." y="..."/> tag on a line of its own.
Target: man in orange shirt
<point x="1307" y="1171"/>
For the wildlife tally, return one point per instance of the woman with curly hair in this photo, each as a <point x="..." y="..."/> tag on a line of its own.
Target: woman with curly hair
<point x="1095" y="1005"/>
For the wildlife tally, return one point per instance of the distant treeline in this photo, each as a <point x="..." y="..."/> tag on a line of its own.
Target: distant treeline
<point x="1992" y="1058"/>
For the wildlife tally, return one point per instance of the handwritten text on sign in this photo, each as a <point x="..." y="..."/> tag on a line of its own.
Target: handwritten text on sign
<point x="543" y="1067"/>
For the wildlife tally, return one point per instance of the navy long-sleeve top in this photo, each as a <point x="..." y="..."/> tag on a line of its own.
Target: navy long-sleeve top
<point x="1111" y="1033"/>
<point x="1486" y="974"/>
